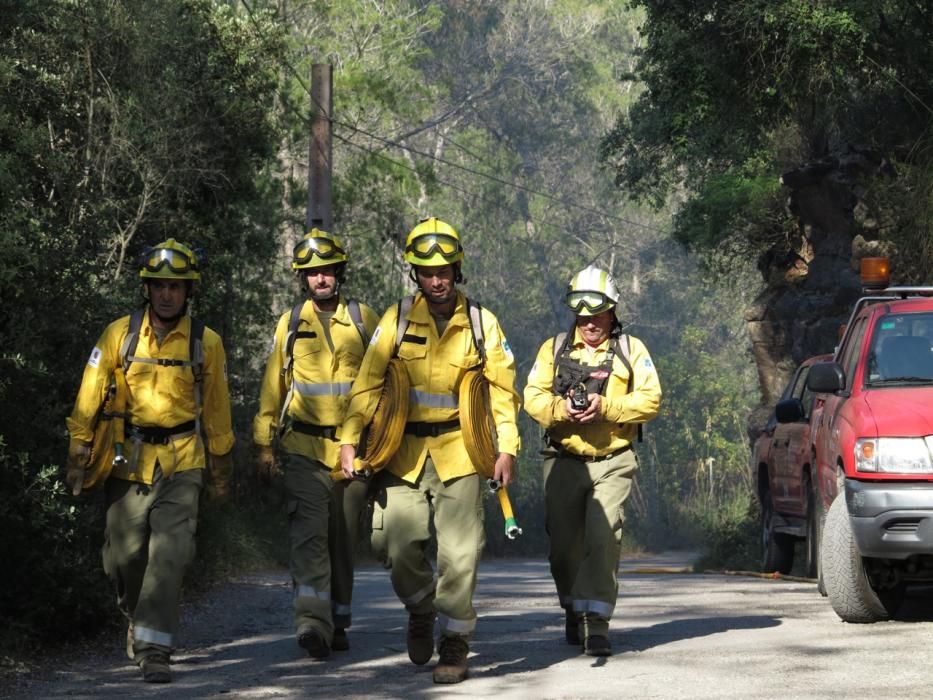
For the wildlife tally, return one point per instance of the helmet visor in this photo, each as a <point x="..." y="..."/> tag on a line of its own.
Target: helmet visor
<point x="593" y="302"/>
<point x="324" y="248"/>
<point x="175" y="260"/>
<point x="426" y="245"/>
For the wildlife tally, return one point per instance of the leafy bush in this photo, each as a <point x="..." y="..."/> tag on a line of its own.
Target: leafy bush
<point x="53" y="585"/>
<point x="729" y="533"/>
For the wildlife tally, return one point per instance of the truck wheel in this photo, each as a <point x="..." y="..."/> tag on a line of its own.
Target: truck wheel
<point x="847" y="584"/>
<point x="777" y="548"/>
<point x="813" y="533"/>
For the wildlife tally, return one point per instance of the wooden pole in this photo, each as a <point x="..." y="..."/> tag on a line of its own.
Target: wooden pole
<point x="320" y="150"/>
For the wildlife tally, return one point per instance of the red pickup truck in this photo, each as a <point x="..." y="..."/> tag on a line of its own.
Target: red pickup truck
<point x="872" y="437"/>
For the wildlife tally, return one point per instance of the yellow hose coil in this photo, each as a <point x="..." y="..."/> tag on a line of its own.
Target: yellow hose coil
<point x="479" y="437"/>
<point x="109" y="433"/>
<point x="384" y="433"/>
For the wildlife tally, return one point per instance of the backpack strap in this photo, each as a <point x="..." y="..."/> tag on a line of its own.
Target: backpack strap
<point x="475" y="311"/>
<point x="401" y="322"/>
<point x="132" y="339"/>
<point x="195" y="357"/>
<point x="356" y="315"/>
<point x="288" y="350"/>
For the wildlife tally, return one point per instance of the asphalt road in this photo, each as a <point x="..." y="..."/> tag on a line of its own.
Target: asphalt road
<point x="675" y="636"/>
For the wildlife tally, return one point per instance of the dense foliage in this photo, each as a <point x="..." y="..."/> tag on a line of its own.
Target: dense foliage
<point x="122" y="123"/>
<point x="738" y="93"/>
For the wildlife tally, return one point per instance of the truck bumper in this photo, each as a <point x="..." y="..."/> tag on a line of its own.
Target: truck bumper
<point x="891" y="521"/>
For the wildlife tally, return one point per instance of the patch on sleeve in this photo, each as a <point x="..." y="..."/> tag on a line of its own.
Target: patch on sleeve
<point x="534" y="369"/>
<point x="506" y="349"/>
<point x="647" y="363"/>
<point x="378" y="332"/>
<point x="94" y="359"/>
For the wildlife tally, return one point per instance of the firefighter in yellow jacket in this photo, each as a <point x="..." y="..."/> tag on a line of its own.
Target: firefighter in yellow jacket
<point x="431" y="472"/>
<point x="176" y="376"/>
<point x="590" y="389"/>
<point x="316" y="354"/>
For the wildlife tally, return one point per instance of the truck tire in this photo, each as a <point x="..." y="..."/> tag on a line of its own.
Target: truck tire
<point x="777" y="548"/>
<point x="812" y="543"/>
<point x="847" y="584"/>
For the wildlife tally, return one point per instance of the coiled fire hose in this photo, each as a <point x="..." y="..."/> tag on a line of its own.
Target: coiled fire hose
<point x="480" y="440"/>
<point x="384" y="433"/>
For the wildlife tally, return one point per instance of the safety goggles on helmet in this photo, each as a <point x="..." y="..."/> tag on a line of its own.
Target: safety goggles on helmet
<point x="324" y="248"/>
<point x="592" y="302"/>
<point x="428" y="244"/>
<point x="175" y="260"/>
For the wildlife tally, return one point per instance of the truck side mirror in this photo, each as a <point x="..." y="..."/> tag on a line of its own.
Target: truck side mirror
<point x="789" y="411"/>
<point x="826" y="378"/>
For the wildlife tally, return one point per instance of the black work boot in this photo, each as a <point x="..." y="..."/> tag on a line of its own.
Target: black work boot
<point x="313" y="642"/>
<point x="420" y="637"/>
<point x="341" y="641"/>
<point x="452" y="664"/>
<point x="155" y="668"/>
<point x="572" y="628"/>
<point x="596" y="635"/>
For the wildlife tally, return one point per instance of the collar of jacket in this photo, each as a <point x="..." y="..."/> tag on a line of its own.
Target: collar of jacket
<point x="420" y="314"/>
<point x="341" y="315"/>
<point x="578" y="343"/>
<point x="183" y="327"/>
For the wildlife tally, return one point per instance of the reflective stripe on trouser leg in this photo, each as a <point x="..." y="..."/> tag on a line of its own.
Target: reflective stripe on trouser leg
<point x="173" y="522"/>
<point x="308" y="485"/>
<point x="458" y="521"/>
<point x="605" y="486"/>
<point x="401" y="534"/>
<point x="348" y="505"/>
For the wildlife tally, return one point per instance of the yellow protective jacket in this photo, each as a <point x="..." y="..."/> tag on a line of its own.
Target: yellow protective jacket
<point x="435" y="367"/>
<point x="322" y="380"/>
<point x="621" y="411"/>
<point x="159" y="396"/>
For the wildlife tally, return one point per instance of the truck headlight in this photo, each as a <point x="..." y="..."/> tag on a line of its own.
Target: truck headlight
<point x="894" y="455"/>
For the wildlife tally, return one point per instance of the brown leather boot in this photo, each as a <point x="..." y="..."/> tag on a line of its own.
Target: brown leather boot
<point x="452" y="664"/>
<point x="420" y="637"/>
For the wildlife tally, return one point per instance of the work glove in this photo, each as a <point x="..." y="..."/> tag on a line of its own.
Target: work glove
<point x="79" y="456"/>
<point x="221" y="470"/>
<point x="266" y="467"/>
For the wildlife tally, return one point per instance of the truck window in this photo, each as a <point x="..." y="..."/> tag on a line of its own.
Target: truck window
<point x="901" y="348"/>
<point x="848" y="358"/>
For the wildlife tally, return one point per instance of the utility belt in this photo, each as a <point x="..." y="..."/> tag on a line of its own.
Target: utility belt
<point x="561" y="451"/>
<point x="157" y="435"/>
<point x="328" y="432"/>
<point x="427" y="429"/>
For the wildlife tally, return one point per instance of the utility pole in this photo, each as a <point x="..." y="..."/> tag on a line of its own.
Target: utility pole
<point x="320" y="150"/>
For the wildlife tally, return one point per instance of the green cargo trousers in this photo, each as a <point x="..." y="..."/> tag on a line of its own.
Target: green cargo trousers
<point x="148" y="545"/>
<point x="584" y="512"/>
<point x="401" y="535"/>
<point x="348" y="506"/>
<point x="308" y="485"/>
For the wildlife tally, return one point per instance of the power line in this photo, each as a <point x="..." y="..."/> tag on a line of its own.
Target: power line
<point x="472" y="171"/>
